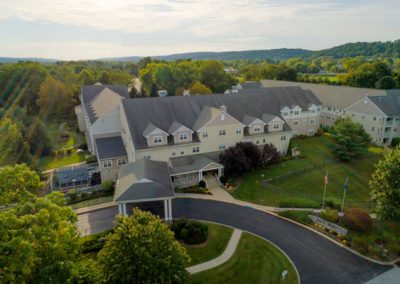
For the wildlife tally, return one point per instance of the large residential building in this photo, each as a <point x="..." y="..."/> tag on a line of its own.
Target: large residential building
<point x="189" y="132"/>
<point x="370" y="107"/>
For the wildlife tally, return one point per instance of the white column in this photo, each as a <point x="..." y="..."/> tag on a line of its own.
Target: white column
<point x="170" y="208"/>
<point x="120" y="209"/>
<point x="200" y="175"/>
<point x="165" y="209"/>
<point x="124" y="209"/>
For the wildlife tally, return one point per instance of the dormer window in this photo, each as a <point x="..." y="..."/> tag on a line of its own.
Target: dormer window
<point x="296" y="112"/>
<point x="183" y="137"/>
<point x="276" y="126"/>
<point x="257" y="129"/>
<point x="157" y="139"/>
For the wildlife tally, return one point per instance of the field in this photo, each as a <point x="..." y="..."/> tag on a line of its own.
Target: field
<point x="254" y="261"/>
<point x="302" y="180"/>
<point x="218" y="238"/>
<point x="63" y="138"/>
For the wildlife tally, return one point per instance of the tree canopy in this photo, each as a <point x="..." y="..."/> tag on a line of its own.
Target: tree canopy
<point x="142" y="250"/>
<point x="385" y="185"/>
<point x="351" y="140"/>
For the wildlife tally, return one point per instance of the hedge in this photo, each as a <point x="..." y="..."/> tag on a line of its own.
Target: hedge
<point x="357" y="220"/>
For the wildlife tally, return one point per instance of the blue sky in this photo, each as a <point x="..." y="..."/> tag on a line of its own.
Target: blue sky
<point x="88" y="29"/>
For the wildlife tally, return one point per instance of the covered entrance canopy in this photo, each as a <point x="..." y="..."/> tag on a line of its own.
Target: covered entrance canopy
<point x="144" y="181"/>
<point x="188" y="171"/>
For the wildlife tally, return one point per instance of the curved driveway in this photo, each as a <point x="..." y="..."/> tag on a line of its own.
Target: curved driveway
<point x="317" y="259"/>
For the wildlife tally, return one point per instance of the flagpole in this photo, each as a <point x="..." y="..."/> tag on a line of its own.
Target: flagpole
<point x="323" y="198"/>
<point x="344" y="194"/>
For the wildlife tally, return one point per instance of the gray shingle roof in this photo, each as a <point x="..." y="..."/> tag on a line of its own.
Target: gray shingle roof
<point x="331" y="96"/>
<point x="144" y="179"/>
<point x="91" y="92"/>
<point x="267" y="117"/>
<point x="251" y="85"/>
<point x="188" y="164"/>
<point x="150" y="128"/>
<point x="175" y="126"/>
<point x="248" y="119"/>
<point x="390" y="104"/>
<point x="190" y="111"/>
<point x="111" y="147"/>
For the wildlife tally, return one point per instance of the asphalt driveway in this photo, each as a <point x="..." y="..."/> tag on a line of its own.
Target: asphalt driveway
<point x="317" y="259"/>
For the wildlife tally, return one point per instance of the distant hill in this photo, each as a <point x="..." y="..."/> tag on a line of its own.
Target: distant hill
<point x="368" y="49"/>
<point x="34" y="59"/>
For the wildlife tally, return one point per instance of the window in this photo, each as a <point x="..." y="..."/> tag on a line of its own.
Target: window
<point x="264" y="140"/>
<point x="374" y="117"/>
<point x="205" y="134"/>
<point x="182" y="152"/>
<point x="238" y="131"/>
<point x="276" y="126"/>
<point x="353" y="115"/>
<point x="183" y="136"/>
<point x="311" y="132"/>
<point x="121" y="161"/>
<point x="147" y="156"/>
<point x="296" y="112"/>
<point x="107" y="164"/>
<point x="157" y="139"/>
<point x="257" y="128"/>
<point x="311" y="121"/>
<point x="285" y="113"/>
<point x="258" y="141"/>
<point x="295" y="122"/>
<point x="283" y="138"/>
<point x="222" y="132"/>
<point x="196" y="149"/>
<point x="173" y="153"/>
<point x="362" y="116"/>
<point x="373" y="129"/>
<point x="221" y="146"/>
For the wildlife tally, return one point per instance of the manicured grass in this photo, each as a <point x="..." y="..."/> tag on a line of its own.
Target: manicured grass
<point x="254" y="261"/>
<point x="49" y="162"/>
<point x="218" y="239"/>
<point x="309" y="184"/>
<point x="298" y="216"/>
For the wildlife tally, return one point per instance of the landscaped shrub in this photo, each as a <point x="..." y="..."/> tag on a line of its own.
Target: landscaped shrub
<point x="359" y="244"/>
<point x="93" y="243"/>
<point x="82" y="146"/>
<point x="223" y="179"/>
<point x="202" y="183"/>
<point x="297" y="202"/>
<point x="357" y="220"/>
<point x="73" y="195"/>
<point x="331" y="215"/>
<point x="298" y="216"/>
<point x="91" y="159"/>
<point x="395" y="141"/>
<point x="190" y="232"/>
<point x="107" y="186"/>
<point x="332" y="203"/>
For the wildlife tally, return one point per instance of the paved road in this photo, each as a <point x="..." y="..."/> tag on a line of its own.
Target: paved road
<point x="317" y="259"/>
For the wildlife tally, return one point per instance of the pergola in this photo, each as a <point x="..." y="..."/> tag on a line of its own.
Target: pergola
<point x="144" y="181"/>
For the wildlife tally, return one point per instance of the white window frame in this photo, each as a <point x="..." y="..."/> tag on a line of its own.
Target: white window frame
<point x="256" y="128"/>
<point x="147" y="156"/>
<point x="283" y="137"/>
<point x="239" y="131"/>
<point x="276" y="126"/>
<point x="295" y="122"/>
<point x="221" y="146"/>
<point x="160" y="141"/>
<point x="196" y="149"/>
<point x="107" y="164"/>
<point x="121" y="161"/>
<point x="222" y="132"/>
<point x="183" y="136"/>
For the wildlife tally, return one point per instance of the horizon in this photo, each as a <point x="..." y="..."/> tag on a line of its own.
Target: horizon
<point x="89" y="29"/>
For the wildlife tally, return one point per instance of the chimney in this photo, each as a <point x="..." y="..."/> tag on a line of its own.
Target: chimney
<point x="223" y="108"/>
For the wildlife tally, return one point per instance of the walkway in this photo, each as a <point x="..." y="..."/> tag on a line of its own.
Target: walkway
<point x="317" y="259"/>
<point x="217" y="192"/>
<point x="391" y="276"/>
<point x="224" y="257"/>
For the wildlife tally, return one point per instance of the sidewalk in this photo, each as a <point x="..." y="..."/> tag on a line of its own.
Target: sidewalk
<point x="224" y="257"/>
<point x="391" y="276"/>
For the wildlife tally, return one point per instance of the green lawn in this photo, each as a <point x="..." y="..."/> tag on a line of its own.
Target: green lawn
<point x="49" y="162"/>
<point x="218" y="238"/>
<point x="255" y="261"/>
<point x="309" y="183"/>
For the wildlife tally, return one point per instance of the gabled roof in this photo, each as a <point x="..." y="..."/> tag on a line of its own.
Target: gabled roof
<point x="90" y="93"/>
<point x="144" y="179"/>
<point x="389" y="105"/>
<point x="332" y="96"/>
<point x="248" y="120"/>
<point x="110" y="147"/>
<point x="196" y="111"/>
<point x="208" y="113"/>
<point x="151" y="128"/>
<point x="266" y="117"/>
<point x="175" y="126"/>
<point x="191" y="163"/>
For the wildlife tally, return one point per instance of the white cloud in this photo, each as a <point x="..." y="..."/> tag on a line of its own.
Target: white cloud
<point x="213" y="25"/>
